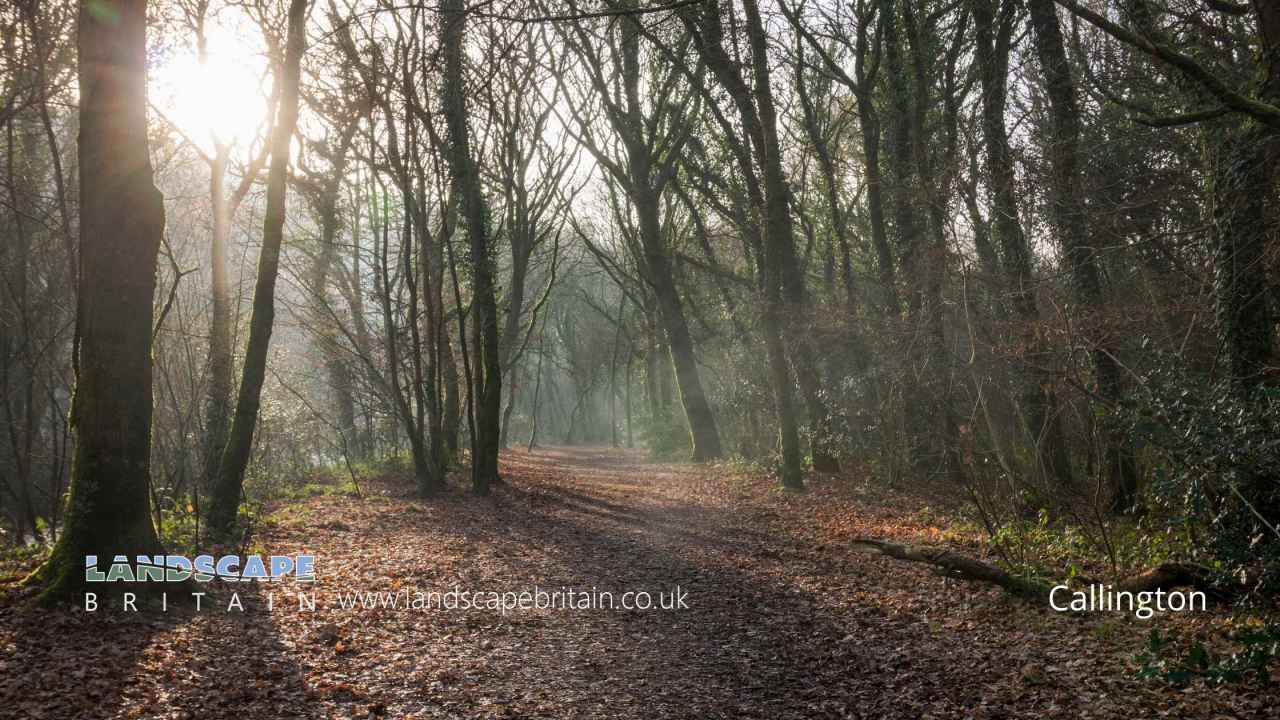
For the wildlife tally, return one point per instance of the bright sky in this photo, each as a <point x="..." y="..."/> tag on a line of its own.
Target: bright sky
<point x="223" y="98"/>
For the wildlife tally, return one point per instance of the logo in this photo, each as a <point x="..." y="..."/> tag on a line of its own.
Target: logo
<point x="202" y="568"/>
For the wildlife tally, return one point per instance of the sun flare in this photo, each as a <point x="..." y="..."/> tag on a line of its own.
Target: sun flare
<point x="221" y="98"/>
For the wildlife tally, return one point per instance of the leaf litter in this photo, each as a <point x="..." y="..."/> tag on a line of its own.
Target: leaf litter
<point x="785" y="619"/>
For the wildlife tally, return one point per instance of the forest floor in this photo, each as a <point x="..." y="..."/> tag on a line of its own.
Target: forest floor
<point x="784" y="618"/>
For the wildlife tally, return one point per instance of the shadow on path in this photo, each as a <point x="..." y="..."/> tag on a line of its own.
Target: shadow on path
<point x="177" y="664"/>
<point x="750" y="644"/>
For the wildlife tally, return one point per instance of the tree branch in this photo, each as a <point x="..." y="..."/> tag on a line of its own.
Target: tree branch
<point x="1263" y="112"/>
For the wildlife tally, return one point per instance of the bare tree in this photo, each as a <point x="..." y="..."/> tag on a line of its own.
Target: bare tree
<point x="225" y="497"/>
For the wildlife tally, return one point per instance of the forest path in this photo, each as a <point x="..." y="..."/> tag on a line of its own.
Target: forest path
<point x="785" y="620"/>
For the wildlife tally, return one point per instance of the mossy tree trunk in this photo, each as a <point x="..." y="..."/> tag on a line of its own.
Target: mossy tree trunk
<point x="1240" y="187"/>
<point x="1241" y="180"/>
<point x="465" y="184"/>
<point x="121" y="224"/>
<point x="910" y="210"/>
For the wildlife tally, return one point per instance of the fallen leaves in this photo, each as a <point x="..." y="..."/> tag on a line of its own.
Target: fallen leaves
<point x="786" y="619"/>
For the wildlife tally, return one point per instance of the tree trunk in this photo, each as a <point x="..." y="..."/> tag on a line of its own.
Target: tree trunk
<point x="365" y="440"/>
<point x="436" y="331"/>
<point x="992" y="55"/>
<point x="644" y="172"/>
<point x="504" y="437"/>
<point x="613" y="374"/>
<point x="702" y="422"/>
<point x="869" y="122"/>
<point x="780" y="250"/>
<point x="1072" y="228"/>
<point x="537" y="387"/>
<point x="830" y="185"/>
<point x="225" y="499"/>
<point x="1241" y="181"/>
<point x="822" y="441"/>
<point x="627" y="402"/>
<point x="339" y="373"/>
<point x="708" y="31"/>
<point x="452" y="393"/>
<point x="465" y="184"/>
<point x="220" y="362"/>
<point x="910" y="209"/>
<point x="121" y="225"/>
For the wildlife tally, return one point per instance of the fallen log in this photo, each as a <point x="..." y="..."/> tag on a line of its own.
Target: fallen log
<point x="1164" y="576"/>
<point x="1170" y="575"/>
<point x="954" y="564"/>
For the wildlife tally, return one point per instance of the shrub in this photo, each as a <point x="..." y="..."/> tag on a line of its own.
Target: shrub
<point x="1216" y="459"/>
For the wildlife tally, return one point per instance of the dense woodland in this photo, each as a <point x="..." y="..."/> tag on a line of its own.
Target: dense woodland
<point x="1021" y="255"/>
<point x="796" y="305"/>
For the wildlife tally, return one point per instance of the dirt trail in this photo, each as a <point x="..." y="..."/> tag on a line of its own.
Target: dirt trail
<point x="784" y="620"/>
